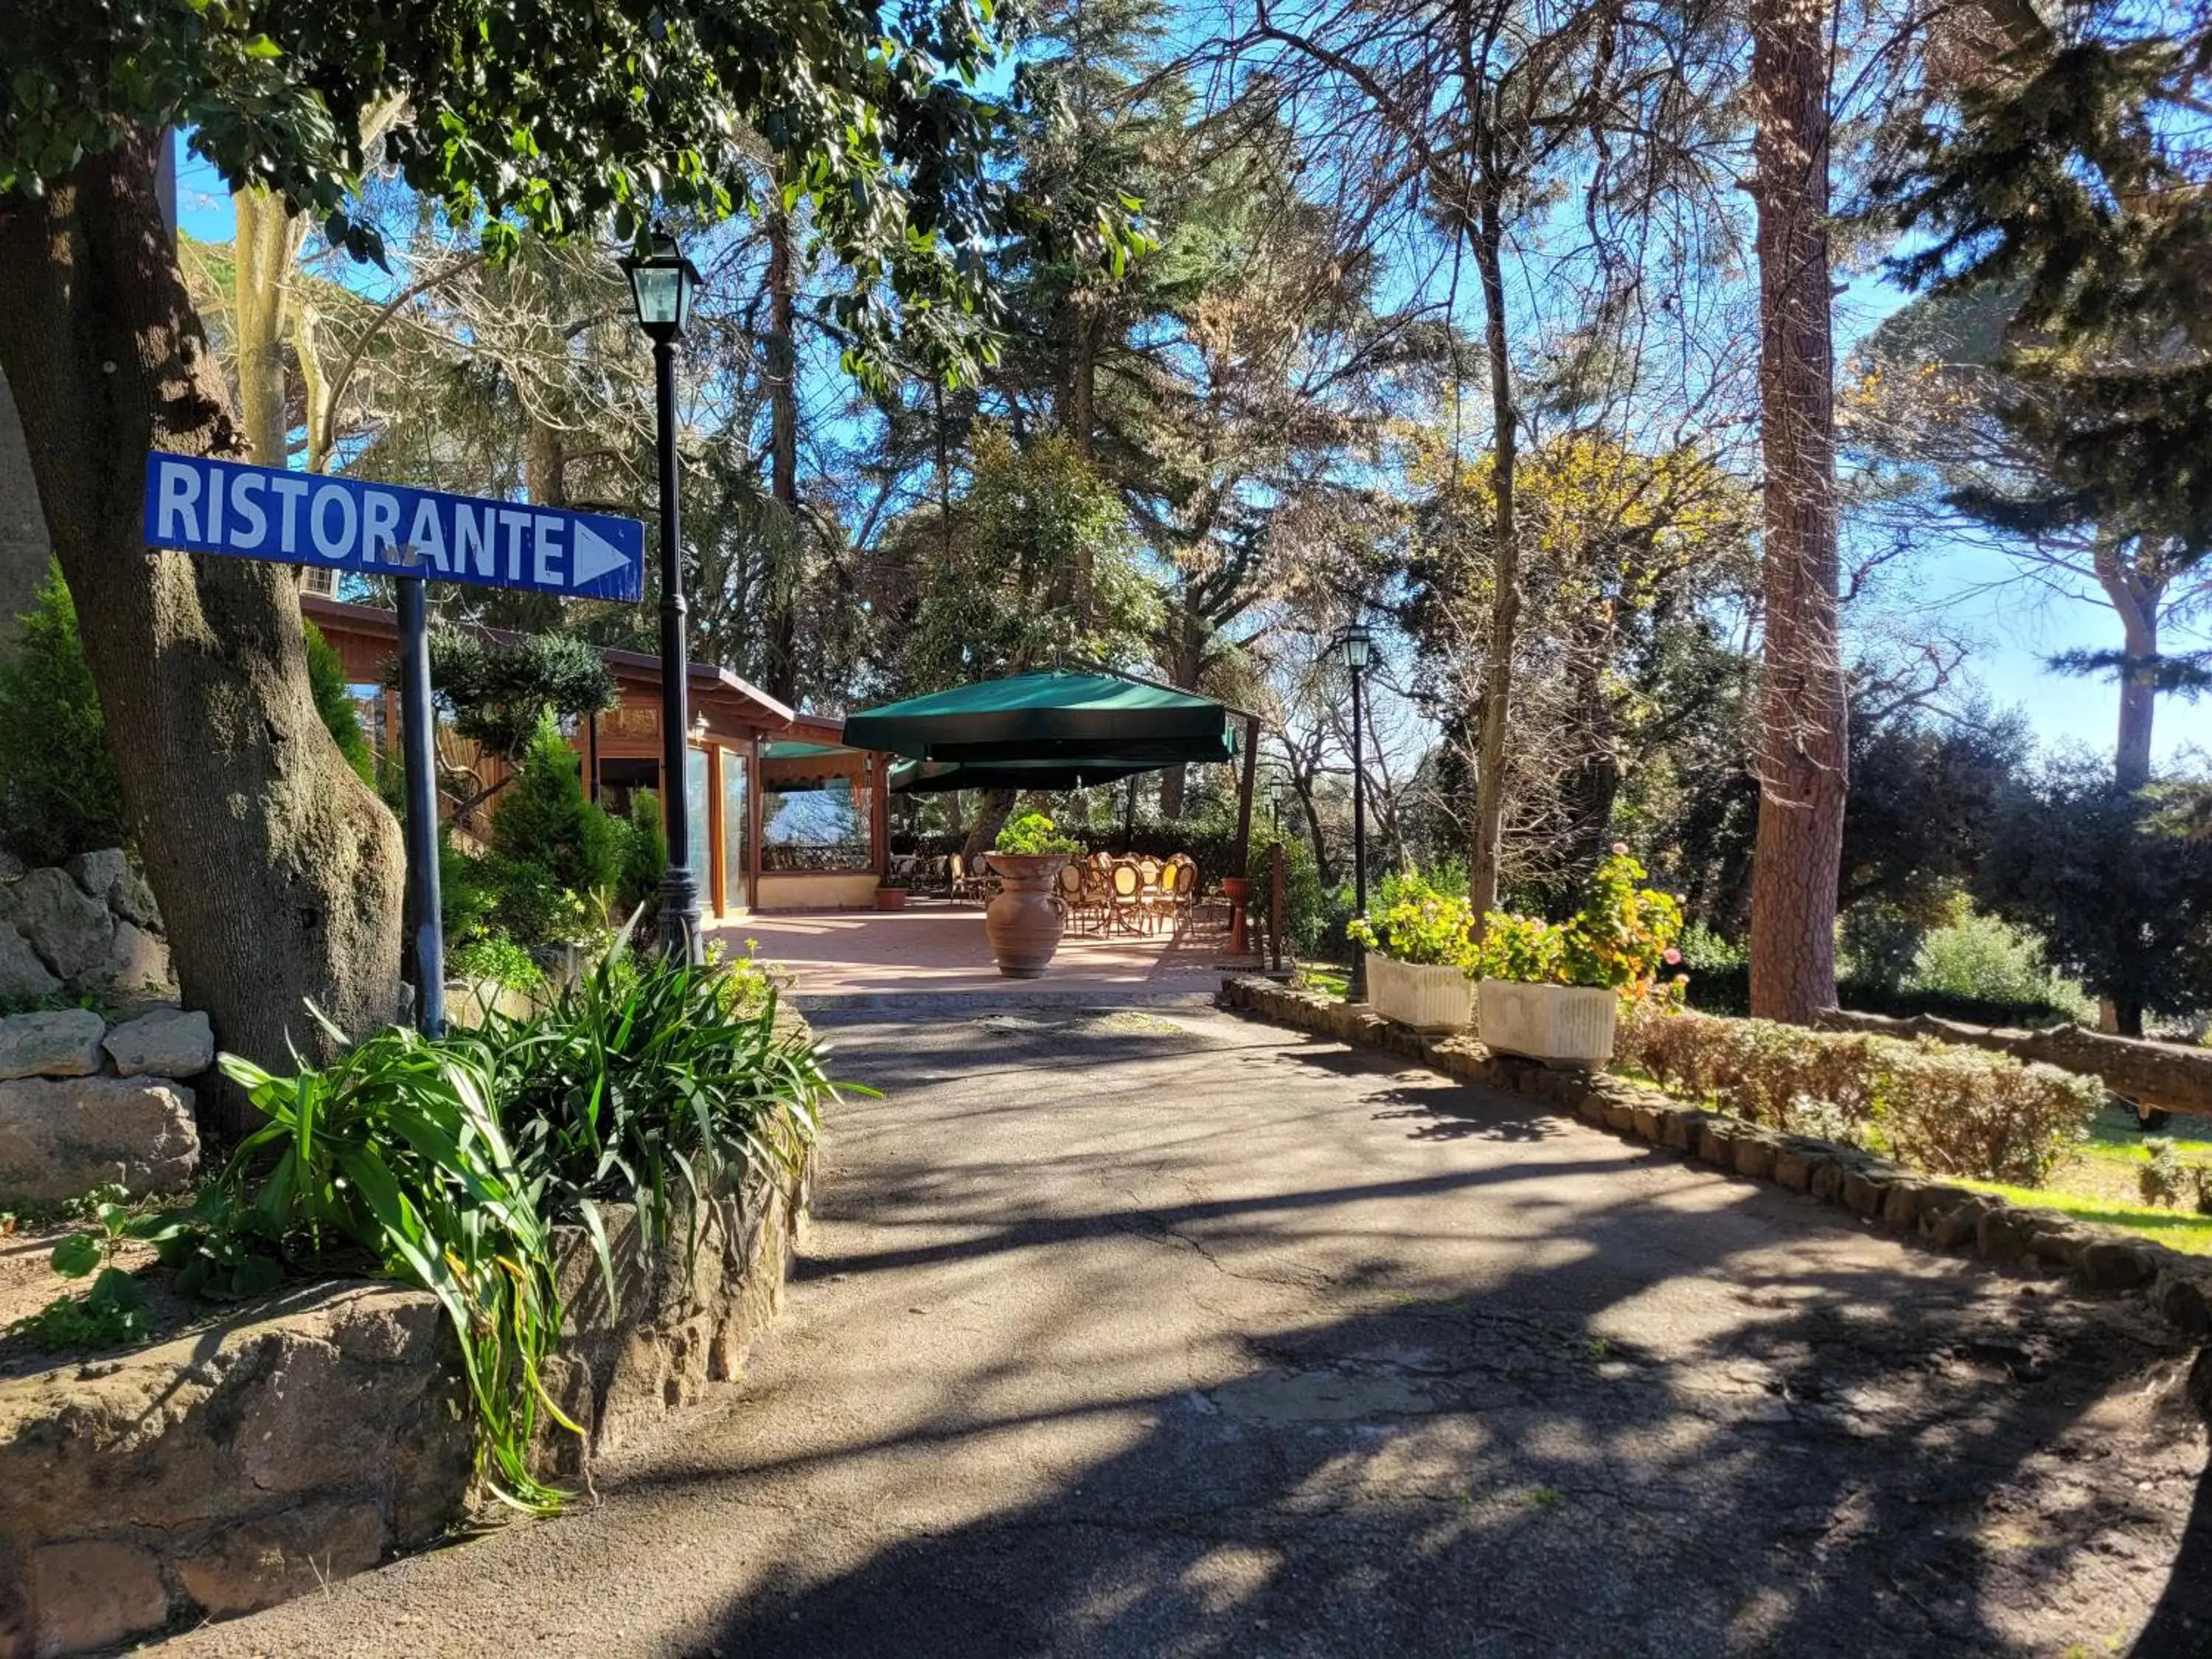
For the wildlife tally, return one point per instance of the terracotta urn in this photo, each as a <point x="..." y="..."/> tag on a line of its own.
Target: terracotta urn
<point x="1238" y="890"/>
<point x="1023" y="921"/>
<point x="890" y="898"/>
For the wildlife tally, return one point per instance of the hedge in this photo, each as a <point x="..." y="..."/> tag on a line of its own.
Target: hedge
<point x="1727" y="990"/>
<point x="1934" y="1106"/>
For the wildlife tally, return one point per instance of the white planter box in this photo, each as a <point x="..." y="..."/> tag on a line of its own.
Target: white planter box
<point x="1559" y="1024"/>
<point x="1428" y="998"/>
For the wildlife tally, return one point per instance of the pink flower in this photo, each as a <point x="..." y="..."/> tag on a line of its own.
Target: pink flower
<point x="1670" y="955"/>
<point x="1621" y="849"/>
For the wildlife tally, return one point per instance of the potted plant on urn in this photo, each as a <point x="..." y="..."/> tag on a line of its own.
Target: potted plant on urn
<point x="1023" y="921"/>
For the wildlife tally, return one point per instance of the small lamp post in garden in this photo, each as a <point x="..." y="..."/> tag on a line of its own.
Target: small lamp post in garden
<point x="661" y="284"/>
<point x="1355" y="646"/>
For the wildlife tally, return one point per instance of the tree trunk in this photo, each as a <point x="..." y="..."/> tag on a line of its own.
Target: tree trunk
<point x="544" y="465"/>
<point x="1079" y="395"/>
<point x="24" y="551"/>
<point x="2136" y="602"/>
<point x="1505" y="599"/>
<point x="998" y="804"/>
<point x="1802" y="753"/>
<point x="783" y="457"/>
<point x="1185" y="662"/>
<point x="267" y="241"/>
<point x="278" y="871"/>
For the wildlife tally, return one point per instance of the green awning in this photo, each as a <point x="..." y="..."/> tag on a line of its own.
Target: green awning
<point x="1059" y="715"/>
<point x="917" y="777"/>
<point x="800" y="751"/>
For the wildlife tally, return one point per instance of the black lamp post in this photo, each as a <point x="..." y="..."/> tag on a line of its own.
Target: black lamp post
<point x="1355" y="647"/>
<point x="661" y="282"/>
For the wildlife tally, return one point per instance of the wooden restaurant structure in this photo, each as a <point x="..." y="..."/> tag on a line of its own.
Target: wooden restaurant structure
<point x="784" y="817"/>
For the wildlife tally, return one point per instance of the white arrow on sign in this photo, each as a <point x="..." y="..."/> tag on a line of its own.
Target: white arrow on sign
<point x="591" y="555"/>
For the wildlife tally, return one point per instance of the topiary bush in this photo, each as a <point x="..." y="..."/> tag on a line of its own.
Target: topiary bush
<point x="1934" y="1106"/>
<point x="327" y="681"/>
<point x="58" y="791"/>
<point x="553" y="850"/>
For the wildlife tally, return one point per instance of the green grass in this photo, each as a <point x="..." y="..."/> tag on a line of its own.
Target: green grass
<point x="1322" y="976"/>
<point x="2115" y="1130"/>
<point x="2184" y="1229"/>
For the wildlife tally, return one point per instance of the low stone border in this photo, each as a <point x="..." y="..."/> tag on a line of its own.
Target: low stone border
<point x="240" y="1465"/>
<point x="2178" y="1286"/>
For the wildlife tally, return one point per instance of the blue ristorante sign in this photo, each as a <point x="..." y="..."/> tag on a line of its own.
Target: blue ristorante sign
<point x="201" y="505"/>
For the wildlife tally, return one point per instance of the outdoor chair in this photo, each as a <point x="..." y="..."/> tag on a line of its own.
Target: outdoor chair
<point x="1182" y="887"/>
<point x="974" y="885"/>
<point x="1127" y="895"/>
<point x="1074" y="897"/>
<point x="1148" y="872"/>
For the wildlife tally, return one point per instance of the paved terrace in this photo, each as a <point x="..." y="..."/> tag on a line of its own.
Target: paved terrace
<point x="1162" y="1332"/>
<point x="844" y="959"/>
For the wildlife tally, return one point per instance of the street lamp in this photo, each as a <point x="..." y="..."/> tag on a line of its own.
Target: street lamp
<point x="1355" y="646"/>
<point x="661" y="284"/>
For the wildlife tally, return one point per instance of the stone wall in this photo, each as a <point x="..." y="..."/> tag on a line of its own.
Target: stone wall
<point x="84" y="1102"/>
<point x="2168" y="1074"/>
<point x="88" y="927"/>
<point x="2176" y="1285"/>
<point x="315" y="1436"/>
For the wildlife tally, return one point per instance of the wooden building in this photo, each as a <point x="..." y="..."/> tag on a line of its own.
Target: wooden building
<point x="783" y="816"/>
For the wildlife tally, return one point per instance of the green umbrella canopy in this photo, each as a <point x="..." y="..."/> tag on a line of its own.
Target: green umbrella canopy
<point x="1059" y="715"/>
<point x="917" y="777"/>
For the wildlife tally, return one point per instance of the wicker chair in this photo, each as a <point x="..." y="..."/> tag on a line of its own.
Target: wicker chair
<point x="1126" y="893"/>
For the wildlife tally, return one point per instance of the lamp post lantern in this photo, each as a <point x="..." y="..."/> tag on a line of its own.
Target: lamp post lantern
<point x="1355" y="646"/>
<point x="662" y="283"/>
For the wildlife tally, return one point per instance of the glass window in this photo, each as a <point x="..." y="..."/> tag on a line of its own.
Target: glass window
<point x="702" y="827"/>
<point x="815" y="823"/>
<point x="734" y="896"/>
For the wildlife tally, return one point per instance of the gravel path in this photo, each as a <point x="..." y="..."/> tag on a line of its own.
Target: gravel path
<point x="1141" y="1334"/>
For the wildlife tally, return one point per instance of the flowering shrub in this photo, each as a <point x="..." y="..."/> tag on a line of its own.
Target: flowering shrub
<point x="1422" y="926"/>
<point x="1623" y="934"/>
<point x="1620" y="939"/>
<point x="1032" y="833"/>
<point x="1527" y="949"/>
<point x="1946" y="1109"/>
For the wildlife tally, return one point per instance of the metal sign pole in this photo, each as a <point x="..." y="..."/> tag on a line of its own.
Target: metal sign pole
<point x="419" y="739"/>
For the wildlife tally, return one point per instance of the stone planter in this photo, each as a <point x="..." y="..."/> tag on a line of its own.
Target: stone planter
<point x="1023" y="921"/>
<point x="1559" y="1024"/>
<point x="1425" y="997"/>
<point x="890" y="898"/>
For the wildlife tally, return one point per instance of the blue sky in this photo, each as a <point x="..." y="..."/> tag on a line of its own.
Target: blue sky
<point x="1961" y="586"/>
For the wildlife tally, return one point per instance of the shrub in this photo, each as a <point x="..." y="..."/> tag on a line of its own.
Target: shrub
<point x="1031" y="833"/>
<point x="556" y="854"/>
<point x="647" y="1080"/>
<point x="1619" y="939"/>
<point x="1982" y="959"/>
<point x="58" y="795"/>
<point x="2160" y="1179"/>
<point x="468" y="895"/>
<point x="1623" y="934"/>
<point x="326" y="680"/>
<point x="396" y="1150"/>
<point x="644" y="850"/>
<point x="447" y="1163"/>
<point x="1419" y="925"/>
<point x="58" y="791"/>
<point x="1946" y="1109"/>
<point x="498" y="959"/>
